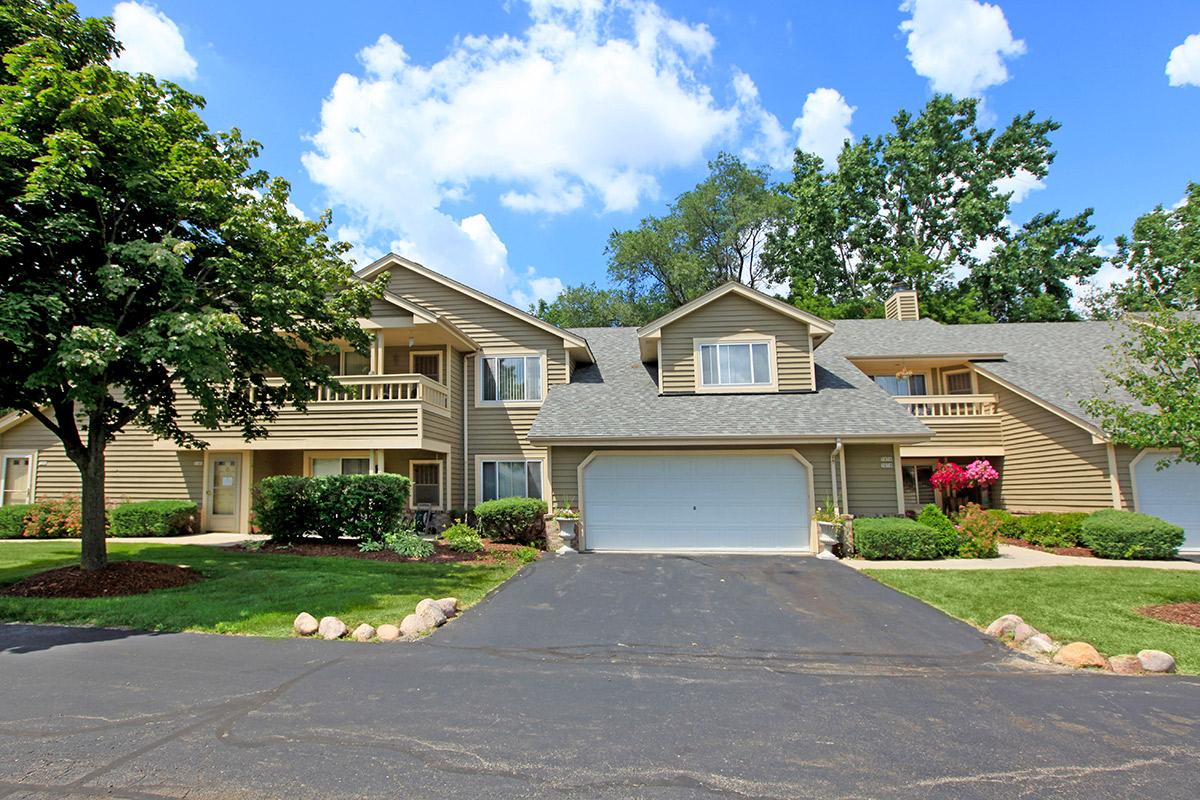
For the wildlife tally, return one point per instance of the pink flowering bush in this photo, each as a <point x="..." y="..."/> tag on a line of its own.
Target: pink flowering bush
<point x="980" y="472"/>
<point x="950" y="477"/>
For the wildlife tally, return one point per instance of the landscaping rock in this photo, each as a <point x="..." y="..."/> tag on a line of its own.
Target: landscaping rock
<point x="429" y="609"/>
<point x="387" y="633"/>
<point x="1080" y="655"/>
<point x="363" y="633"/>
<point x="1023" y="631"/>
<point x="1156" y="661"/>
<point x="1003" y="625"/>
<point x="1039" y="643"/>
<point x="1126" y="665"/>
<point x="305" y="624"/>
<point x="415" y="625"/>
<point x="448" y="605"/>
<point x="331" y="628"/>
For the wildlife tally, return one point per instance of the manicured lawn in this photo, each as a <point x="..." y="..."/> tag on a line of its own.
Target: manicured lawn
<point x="1070" y="603"/>
<point x="245" y="593"/>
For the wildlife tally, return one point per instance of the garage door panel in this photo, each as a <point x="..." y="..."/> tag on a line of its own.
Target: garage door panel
<point x="1172" y="494"/>
<point x="696" y="502"/>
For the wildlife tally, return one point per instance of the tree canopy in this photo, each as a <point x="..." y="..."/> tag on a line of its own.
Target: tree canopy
<point x="142" y="255"/>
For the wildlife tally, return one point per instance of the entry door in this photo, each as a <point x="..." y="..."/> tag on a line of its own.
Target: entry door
<point x="666" y="502"/>
<point x="17" y="473"/>
<point x="224" y="492"/>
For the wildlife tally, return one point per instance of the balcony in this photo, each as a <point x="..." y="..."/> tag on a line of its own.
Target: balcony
<point x="361" y="389"/>
<point x="963" y="425"/>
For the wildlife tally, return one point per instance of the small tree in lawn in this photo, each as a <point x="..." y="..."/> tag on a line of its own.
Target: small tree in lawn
<point x="141" y="255"/>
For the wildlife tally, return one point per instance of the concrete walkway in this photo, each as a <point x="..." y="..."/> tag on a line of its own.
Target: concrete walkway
<point x="1021" y="558"/>
<point x="215" y="539"/>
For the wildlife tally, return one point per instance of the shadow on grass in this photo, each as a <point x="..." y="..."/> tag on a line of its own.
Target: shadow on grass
<point x="249" y="593"/>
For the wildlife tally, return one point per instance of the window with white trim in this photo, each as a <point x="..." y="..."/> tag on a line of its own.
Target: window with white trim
<point x="735" y="364"/>
<point x="426" y="483"/>
<point x="347" y="362"/>
<point x="510" y="479"/>
<point x="506" y="379"/>
<point x="345" y="465"/>
<point x="959" y="383"/>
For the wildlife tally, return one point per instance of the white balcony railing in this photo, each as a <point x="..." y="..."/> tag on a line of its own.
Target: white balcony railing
<point x="950" y="405"/>
<point x="386" y="388"/>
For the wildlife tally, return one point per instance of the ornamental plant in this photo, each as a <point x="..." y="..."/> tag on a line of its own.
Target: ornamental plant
<point x="950" y="477"/>
<point x="979" y="533"/>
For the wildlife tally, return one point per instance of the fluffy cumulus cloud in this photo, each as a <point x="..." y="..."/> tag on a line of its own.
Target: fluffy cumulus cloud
<point x="821" y="128"/>
<point x="1183" y="67"/>
<point x="151" y="42"/>
<point x="585" y="106"/>
<point x="961" y="46"/>
<point x="1021" y="185"/>
<point x="824" y="124"/>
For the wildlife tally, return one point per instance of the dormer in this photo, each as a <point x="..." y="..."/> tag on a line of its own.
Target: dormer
<point x="734" y="340"/>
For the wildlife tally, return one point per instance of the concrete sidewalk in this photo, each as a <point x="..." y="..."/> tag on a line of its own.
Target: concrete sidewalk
<point x="214" y="539"/>
<point x="1012" y="557"/>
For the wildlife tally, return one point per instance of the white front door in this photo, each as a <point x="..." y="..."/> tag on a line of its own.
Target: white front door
<point x="715" y="502"/>
<point x="224" y="509"/>
<point x="1172" y="494"/>
<point x="16" y="475"/>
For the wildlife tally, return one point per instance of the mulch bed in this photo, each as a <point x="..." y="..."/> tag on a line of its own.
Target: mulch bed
<point x="1181" y="613"/>
<point x="118" y="578"/>
<point x="492" y="553"/>
<point x="1083" y="552"/>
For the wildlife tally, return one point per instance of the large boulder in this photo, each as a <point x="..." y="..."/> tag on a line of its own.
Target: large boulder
<point x="363" y="633"/>
<point x="1023" y="631"/>
<point x="1080" y="655"/>
<point x="1126" y="665"/>
<point x="448" y="605"/>
<point x="1039" y="643"/>
<point x="305" y="624"/>
<point x="1156" y="661"/>
<point x="387" y="633"/>
<point x="415" y="625"/>
<point x="1006" y="624"/>
<point x="430" y="610"/>
<point x="331" y="628"/>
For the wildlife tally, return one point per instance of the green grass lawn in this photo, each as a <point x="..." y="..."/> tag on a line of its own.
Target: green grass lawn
<point x="1091" y="604"/>
<point x="245" y="593"/>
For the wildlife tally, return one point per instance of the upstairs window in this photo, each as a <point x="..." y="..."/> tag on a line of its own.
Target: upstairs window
<point x="505" y="379"/>
<point x="901" y="387"/>
<point x="959" y="383"/>
<point x="735" y="364"/>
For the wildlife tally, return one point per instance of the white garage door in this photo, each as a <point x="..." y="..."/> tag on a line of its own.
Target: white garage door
<point x="1172" y="494"/>
<point x="696" y="502"/>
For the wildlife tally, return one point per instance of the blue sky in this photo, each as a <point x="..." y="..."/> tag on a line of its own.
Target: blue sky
<point x="500" y="141"/>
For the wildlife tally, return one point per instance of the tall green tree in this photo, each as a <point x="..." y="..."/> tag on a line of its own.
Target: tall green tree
<point x="711" y="234"/>
<point x="142" y="255"/>
<point x="1163" y="254"/>
<point x="923" y="205"/>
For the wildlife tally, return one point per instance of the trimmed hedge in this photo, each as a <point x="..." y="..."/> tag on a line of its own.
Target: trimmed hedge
<point x="512" y="519"/>
<point x="1128" y="535"/>
<point x="364" y="507"/>
<point x="947" y="539"/>
<point x="890" y="538"/>
<point x="154" y="518"/>
<point x="12" y="520"/>
<point x="1052" y="529"/>
<point x="1010" y="526"/>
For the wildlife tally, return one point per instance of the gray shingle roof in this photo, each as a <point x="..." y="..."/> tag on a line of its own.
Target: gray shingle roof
<point x="617" y="397"/>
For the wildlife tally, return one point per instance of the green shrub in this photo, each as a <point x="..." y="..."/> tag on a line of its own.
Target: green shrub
<point x="54" y="518"/>
<point x="978" y="533"/>
<point x="1124" y="534"/>
<point x="526" y="554"/>
<point x="1052" y="529"/>
<point x="463" y="538"/>
<point x="287" y="507"/>
<point x="946" y="540"/>
<point x="12" y="520"/>
<point x="1010" y="526"/>
<point x="154" y="518"/>
<point x="512" y="519"/>
<point x="881" y="538"/>
<point x="408" y="544"/>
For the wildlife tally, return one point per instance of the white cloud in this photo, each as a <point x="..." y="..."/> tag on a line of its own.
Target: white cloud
<point x="824" y="124"/>
<point x="1105" y="278"/>
<point x="568" y="112"/>
<point x="540" y="288"/>
<point x="1022" y="183"/>
<point x="151" y="42"/>
<point x="959" y="45"/>
<point x="1183" y="67"/>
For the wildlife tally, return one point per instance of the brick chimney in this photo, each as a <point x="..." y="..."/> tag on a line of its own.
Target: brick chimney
<point x="902" y="305"/>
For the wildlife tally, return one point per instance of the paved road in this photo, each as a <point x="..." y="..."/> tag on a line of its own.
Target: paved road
<point x="595" y="676"/>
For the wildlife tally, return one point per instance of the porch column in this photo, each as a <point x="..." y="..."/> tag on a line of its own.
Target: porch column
<point x="377" y="360"/>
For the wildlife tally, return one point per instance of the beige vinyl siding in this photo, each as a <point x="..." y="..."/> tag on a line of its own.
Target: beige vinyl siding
<point x="870" y="487"/>
<point x="335" y="423"/>
<point x="727" y="316"/>
<point x="962" y="432"/>
<point x="565" y="461"/>
<point x="135" y="470"/>
<point x="1050" y="464"/>
<point x="1125" y="456"/>
<point x="492" y="430"/>
<point x="457" y="461"/>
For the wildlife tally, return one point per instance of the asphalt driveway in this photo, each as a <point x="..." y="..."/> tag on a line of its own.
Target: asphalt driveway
<point x="596" y="676"/>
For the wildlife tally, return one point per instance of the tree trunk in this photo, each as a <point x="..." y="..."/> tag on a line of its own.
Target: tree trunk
<point x="93" y="550"/>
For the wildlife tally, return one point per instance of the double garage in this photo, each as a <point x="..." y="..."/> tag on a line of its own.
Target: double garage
<point x="728" y="502"/>
<point x="1172" y="493"/>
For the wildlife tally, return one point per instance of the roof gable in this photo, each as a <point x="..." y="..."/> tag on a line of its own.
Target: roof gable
<point x="820" y="327"/>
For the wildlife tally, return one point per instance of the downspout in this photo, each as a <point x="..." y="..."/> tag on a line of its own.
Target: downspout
<point x="834" y="460"/>
<point x="465" y="465"/>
